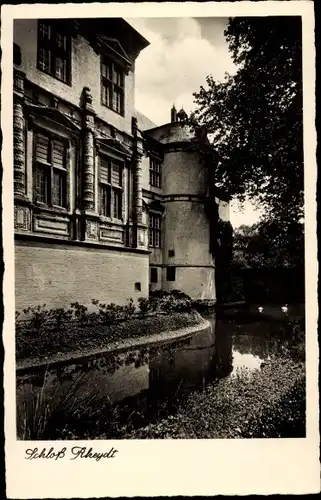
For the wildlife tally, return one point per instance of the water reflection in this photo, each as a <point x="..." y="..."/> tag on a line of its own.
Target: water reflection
<point x="142" y="385"/>
<point x="169" y="372"/>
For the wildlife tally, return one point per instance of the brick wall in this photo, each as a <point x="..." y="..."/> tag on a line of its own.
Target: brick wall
<point x="59" y="274"/>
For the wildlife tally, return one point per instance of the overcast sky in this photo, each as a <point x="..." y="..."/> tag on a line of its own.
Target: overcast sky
<point x="182" y="52"/>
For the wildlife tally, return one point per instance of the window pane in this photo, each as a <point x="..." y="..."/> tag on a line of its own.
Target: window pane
<point x="105" y="201"/>
<point x="107" y="94"/>
<point x="59" y="188"/>
<point x="104" y="171"/>
<point x="157" y="239"/>
<point x="61" y="41"/>
<point x="116" y="176"/>
<point x="106" y="70"/>
<point x="151" y="239"/>
<point x="42" y="184"/>
<point x="44" y="30"/>
<point x="61" y="68"/>
<point x="42" y="148"/>
<point x="118" y="77"/>
<point x="58" y="154"/>
<point x="117" y="212"/>
<point x="44" y="59"/>
<point x="117" y="100"/>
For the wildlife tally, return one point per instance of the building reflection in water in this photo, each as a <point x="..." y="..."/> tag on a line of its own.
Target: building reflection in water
<point x="199" y="360"/>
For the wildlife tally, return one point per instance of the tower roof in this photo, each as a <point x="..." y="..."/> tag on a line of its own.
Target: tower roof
<point x="182" y="115"/>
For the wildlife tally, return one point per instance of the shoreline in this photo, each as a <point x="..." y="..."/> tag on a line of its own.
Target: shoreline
<point x="27" y="365"/>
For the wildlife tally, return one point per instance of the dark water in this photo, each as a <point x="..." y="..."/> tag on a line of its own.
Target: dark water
<point x="151" y="387"/>
<point x="140" y="386"/>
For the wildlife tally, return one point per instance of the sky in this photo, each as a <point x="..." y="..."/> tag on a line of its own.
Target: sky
<point x="182" y="52"/>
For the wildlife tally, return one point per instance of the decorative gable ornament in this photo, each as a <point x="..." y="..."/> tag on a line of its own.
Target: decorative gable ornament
<point x="111" y="47"/>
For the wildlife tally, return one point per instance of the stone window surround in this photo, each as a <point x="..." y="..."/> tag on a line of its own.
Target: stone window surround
<point x="155" y="171"/>
<point x="155" y="233"/>
<point x="109" y="82"/>
<point x="120" y="188"/>
<point x="41" y="129"/>
<point x="55" y="51"/>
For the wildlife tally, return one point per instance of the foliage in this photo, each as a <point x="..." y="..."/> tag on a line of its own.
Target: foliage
<point x="39" y="344"/>
<point x="269" y="244"/>
<point x="144" y="305"/>
<point x="111" y="313"/>
<point x="255" y="116"/>
<point x="267" y="402"/>
<point x="39" y="414"/>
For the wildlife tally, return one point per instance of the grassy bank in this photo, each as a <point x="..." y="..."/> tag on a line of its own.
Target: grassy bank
<point x="268" y="402"/>
<point x="42" y="343"/>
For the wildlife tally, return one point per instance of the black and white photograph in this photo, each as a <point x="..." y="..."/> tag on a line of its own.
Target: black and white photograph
<point x="159" y="234"/>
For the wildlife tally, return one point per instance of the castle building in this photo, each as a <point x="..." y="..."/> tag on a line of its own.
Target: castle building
<point x="107" y="204"/>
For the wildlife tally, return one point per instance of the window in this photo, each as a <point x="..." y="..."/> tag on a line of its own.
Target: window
<point x="153" y="275"/>
<point x="54" y="51"/>
<point x="110" y="188"/>
<point x="171" y="274"/>
<point x="50" y="170"/>
<point x="171" y="253"/>
<point x="155" y="221"/>
<point x="138" y="286"/>
<point x="112" y="86"/>
<point x="155" y="172"/>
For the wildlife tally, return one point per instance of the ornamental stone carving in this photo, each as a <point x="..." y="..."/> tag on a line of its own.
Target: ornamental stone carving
<point x="22" y="218"/>
<point x="91" y="230"/>
<point x="88" y="145"/>
<point x="19" y="149"/>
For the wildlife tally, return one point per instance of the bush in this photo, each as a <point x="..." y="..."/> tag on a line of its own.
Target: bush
<point x="144" y="306"/>
<point x="129" y="310"/>
<point x="39" y="317"/>
<point x="91" y="336"/>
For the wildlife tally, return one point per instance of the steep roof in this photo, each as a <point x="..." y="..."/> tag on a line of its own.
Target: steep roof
<point x="143" y="122"/>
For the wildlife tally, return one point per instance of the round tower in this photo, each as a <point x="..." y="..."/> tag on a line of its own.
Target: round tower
<point x="188" y="264"/>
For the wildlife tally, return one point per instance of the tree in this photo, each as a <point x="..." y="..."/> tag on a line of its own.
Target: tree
<point x="269" y="244"/>
<point x="255" y="116"/>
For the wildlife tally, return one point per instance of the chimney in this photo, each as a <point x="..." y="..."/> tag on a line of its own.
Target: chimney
<point x="173" y="114"/>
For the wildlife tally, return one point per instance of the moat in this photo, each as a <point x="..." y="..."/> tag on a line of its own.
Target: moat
<point x="124" y="391"/>
<point x="158" y="378"/>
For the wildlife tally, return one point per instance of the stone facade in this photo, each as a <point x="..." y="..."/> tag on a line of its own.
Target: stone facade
<point x="102" y="197"/>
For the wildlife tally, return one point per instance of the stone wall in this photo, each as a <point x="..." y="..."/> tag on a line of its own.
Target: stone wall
<point x="85" y="273"/>
<point x="85" y="72"/>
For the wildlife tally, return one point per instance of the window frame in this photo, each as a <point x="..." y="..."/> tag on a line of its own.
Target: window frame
<point x="54" y="51"/>
<point x="155" y="172"/>
<point x="112" y="86"/>
<point x="112" y="212"/>
<point x="154" y="274"/>
<point x="154" y="233"/>
<point x="169" y="270"/>
<point x="50" y="168"/>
